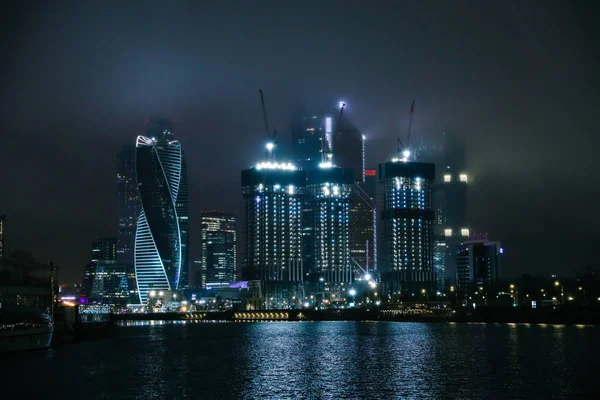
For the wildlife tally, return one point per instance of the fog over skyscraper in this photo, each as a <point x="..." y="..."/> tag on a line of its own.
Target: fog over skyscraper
<point x="162" y="228"/>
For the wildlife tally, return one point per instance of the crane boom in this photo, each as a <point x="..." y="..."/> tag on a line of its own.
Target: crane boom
<point x="412" y="108"/>
<point x="264" y="110"/>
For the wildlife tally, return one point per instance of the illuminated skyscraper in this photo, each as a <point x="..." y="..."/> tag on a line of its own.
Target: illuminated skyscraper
<point x="219" y="242"/>
<point x="129" y="204"/>
<point x="105" y="280"/>
<point x="2" y="220"/>
<point x="162" y="228"/>
<point x="273" y="194"/>
<point x="129" y="211"/>
<point x="406" y="245"/>
<point x="329" y="189"/>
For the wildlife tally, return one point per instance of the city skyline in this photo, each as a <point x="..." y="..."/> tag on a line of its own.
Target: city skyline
<point x="513" y="123"/>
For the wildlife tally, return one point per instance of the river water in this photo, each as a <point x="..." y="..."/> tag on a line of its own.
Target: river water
<point x="315" y="360"/>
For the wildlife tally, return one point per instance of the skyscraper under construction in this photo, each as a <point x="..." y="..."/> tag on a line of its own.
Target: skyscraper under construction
<point x="406" y="234"/>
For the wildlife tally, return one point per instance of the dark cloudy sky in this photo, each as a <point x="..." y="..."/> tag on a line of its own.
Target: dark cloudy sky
<point x="518" y="81"/>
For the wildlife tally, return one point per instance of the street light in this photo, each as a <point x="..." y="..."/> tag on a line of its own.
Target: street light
<point x="562" y="291"/>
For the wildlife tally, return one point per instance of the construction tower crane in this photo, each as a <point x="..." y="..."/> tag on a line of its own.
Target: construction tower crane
<point x="403" y="151"/>
<point x="271" y="138"/>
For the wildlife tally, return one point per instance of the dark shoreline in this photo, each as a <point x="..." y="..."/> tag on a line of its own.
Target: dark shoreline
<point x="484" y="315"/>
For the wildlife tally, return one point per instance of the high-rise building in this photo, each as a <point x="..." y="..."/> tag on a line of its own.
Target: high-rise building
<point x="105" y="280"/>
<point x="307" y="133"/>
<point x="345" y="140"/>
<point x="362" y="228"/>
<point x="452" y="204"/>
<point x="478" y="264"/>
<point x="406" y="234"/>
<point x="2" y="221"/>
<point x="274" y="194"/>
<point x="129" y="204"/>
<point x="129" y="211"/>
<point x="329" y="189"/>
<point x="219" y="245"/>
<point x="161" y="259"/>
<point x="104" y="249"/>
<point x="349" y="147"/>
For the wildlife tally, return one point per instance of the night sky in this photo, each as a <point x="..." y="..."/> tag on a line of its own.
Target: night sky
<point x="518" y="81"/>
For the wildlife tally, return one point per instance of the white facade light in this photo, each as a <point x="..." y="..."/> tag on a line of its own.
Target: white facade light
<point x="447" y="178"/>
<point x="464" y="232"/>
<point x="280" y="166"/>
<point x="447" y="232"/>
<point x="464" y="178"/>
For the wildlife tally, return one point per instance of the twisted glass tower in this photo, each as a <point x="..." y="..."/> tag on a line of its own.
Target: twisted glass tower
<point x="162" y="228"/>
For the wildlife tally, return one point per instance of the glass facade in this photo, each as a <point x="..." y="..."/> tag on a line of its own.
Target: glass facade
<point x="477" y="264"/>
<point x="362" y="227"/>
<point x="162" y="228"/>
<point x="219" y="248"/>
<point x="105" y="280"/>
<point x="129" y="211"/>
<point x="453" y="217"/>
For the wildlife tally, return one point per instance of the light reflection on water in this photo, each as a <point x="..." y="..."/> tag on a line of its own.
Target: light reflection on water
<point x="318" y="360"/>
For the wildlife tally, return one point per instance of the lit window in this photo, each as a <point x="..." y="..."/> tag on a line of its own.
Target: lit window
<point x="448" y="178"/>
<point x="464" y="232"/>
<point x="463" y="178"/>
<point x="447" y="232"/>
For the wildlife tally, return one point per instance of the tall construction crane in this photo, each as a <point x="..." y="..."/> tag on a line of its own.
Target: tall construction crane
<point x="403" y="151"/>
<point x="271" y="138"/>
